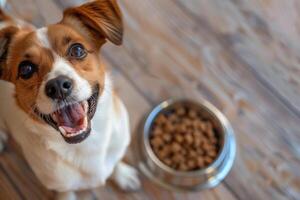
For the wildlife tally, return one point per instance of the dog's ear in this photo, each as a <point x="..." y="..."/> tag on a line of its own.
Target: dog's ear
<point x="6" y="36"/>
<point x="102" y="19"/>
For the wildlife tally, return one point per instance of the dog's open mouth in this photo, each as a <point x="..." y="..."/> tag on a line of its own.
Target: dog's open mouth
<point x="73" y="121"/>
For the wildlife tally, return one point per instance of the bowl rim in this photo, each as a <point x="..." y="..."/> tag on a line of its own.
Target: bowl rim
<point x="211" y="110"/>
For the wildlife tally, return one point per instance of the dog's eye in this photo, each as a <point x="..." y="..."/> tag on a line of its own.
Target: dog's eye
<point x="77" y="51"/>
<point x="26" y="69"/>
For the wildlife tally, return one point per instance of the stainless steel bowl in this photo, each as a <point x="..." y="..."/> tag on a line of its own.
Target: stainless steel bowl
<point x="209" y="177"/>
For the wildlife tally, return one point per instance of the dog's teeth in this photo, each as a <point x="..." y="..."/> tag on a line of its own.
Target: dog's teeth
<point x="62" y="131"/>
<point x="54" y="117"/>
<point x="85" y="105"/>
<point x="85" y="123"/>
<point x="71" y="134"/>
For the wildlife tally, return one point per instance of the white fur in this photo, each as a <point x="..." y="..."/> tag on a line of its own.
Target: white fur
<point x="126" y="177"/>
<point x="43" y="37"/>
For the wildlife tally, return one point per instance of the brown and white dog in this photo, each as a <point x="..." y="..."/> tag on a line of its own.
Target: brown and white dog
<point x="56" y="99"/>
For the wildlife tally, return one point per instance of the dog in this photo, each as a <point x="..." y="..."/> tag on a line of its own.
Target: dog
<point x="57" y="99"/>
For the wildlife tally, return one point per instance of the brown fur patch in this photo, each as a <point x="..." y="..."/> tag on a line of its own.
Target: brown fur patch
<point x="26" y="47"/>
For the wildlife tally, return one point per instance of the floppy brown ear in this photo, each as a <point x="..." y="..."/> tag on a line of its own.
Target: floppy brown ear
<point x="102" y="18"/>
<point x="6" y="36"/>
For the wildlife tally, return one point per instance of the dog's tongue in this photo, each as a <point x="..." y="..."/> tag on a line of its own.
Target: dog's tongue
<point x="71" y="118"/>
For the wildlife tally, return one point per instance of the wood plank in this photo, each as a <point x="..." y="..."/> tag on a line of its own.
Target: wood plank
<point x="28" y="12"/>
<point x="180" y="48"/>
<point x="274" y="26"/>
<point x="7" y="189"/>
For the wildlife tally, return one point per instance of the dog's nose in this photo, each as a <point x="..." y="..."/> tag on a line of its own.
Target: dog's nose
<point x="59" y="88"/>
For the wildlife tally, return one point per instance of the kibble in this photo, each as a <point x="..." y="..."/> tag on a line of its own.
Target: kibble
<point x="182" y="140"/>
<point x="167" y="137"/>
<point x="179" y="138"/>
<point x="175" y="147"/>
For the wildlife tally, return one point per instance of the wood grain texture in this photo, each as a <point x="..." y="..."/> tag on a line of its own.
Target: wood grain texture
<point x="240" y="55"/>
<point x="7" y="188"/>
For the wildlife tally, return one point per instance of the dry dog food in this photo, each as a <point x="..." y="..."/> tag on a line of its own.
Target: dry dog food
<point x="183" y="140"/>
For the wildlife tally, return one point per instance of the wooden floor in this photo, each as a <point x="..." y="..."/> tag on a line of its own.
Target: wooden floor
<point x="241" y="55"/>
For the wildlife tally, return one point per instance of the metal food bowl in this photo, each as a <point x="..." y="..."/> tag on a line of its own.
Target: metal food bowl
<point x="196" y="180"/>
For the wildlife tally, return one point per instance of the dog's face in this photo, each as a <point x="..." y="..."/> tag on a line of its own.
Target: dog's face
<point x="56" y="69"/>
